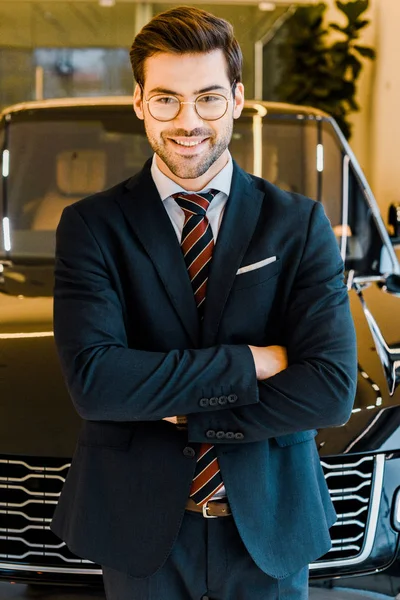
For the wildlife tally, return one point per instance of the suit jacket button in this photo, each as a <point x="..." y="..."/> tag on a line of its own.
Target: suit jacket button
<point x="220" y="435"/>
<point x="232" y="398"/>
<point x="189" y="452"/>
<point x="230" y="435"/>
<point x="213" y="401"/>
<point x="204" y="402"/>
<point x="239" y="436"/>
<point x="222" y="400"/>
<point x="210" y="433"/>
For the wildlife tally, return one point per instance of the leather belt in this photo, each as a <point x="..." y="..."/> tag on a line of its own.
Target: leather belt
<point x="211" y="509"/>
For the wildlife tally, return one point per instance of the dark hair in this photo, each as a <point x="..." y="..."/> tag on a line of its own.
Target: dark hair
<point x="186" y="29"/>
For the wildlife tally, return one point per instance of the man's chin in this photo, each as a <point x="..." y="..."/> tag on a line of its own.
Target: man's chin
<point x="188" y="170"/>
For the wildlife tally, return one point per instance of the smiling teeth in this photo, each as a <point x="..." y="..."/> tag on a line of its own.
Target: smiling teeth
<point x="188" y="143"/>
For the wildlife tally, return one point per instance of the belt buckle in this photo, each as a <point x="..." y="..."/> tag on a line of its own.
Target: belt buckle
<point x="205" y="507"/>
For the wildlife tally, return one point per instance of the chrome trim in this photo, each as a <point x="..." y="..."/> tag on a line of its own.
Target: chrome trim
<point x="352" y="514"/>
<point x="345" y="205"/>
<point x="366" y="279"/>
<point x="348" y="465"/>
<point x="350" y="547"/>
<point x="42" y="527"/>
<point x="20" y="539"/>
<point x="6" y="461"/>
<point x="371" y="525"/>
<point x="352" y="539"/>
<point x="351" y="522"/>
<point x="292" y="109"/>
<point x="20" y="504"/>
<point x="24" y="515"/>
<point x="257" y="145"/>
<point x="51" y="569"/>
<point x="355" y="472"/>
<point x="352" y="496"/>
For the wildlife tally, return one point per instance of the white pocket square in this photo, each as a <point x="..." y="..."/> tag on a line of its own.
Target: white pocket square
<point x="256" y="265"/>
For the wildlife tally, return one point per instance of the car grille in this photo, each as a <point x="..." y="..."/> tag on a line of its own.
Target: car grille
<point x="29" y="491"/>
<point x="30" y="488"/>
<point x="355" y="484"/>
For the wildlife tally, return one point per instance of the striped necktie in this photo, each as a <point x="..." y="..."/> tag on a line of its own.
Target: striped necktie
<point x="197" y="246"/>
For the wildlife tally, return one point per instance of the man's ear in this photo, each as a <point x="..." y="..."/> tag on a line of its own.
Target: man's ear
<point x="238" y="101"/>
<point x="138" y="102"/>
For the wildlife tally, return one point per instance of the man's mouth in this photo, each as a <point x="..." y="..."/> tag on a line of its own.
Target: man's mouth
<point x="187" y="143"/>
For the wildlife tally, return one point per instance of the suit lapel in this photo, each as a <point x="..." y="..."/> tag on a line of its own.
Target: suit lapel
<point x="149" y="219"/>
<point x="238" y="224"/>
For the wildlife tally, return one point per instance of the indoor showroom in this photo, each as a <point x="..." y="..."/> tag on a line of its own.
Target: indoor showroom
<point x="199" y="300"/>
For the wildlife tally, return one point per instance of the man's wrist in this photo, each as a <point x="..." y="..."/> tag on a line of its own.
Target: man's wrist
<point x="253" y="351"/>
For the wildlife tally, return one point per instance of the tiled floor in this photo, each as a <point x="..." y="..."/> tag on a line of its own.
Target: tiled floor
<point x="23" y="592"/>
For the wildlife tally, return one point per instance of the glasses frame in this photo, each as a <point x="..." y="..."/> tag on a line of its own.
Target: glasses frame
<point x="227" y="100"/>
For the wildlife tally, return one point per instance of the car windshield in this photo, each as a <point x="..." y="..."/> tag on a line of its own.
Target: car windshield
<point x="57" y="157"/>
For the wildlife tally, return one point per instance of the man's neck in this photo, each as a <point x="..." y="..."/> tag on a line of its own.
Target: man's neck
<point x="197" y="184"/>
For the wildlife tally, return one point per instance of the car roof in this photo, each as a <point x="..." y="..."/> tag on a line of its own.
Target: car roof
<point x="251" y="106"/>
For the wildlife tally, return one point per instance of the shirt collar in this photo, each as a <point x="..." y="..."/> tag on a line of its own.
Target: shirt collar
<point x="166" y="187"/>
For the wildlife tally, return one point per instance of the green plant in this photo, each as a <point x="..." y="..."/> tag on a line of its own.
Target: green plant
<point x="320" y="73"/>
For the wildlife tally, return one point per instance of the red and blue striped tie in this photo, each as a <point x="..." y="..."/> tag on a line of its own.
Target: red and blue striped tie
<point x="197" y="246"/>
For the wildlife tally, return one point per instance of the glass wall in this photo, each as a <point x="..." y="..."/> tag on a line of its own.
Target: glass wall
<point x="83" y="47"/>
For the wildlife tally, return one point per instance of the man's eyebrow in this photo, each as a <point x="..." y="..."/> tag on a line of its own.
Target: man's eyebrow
<point x="210" y="88"/>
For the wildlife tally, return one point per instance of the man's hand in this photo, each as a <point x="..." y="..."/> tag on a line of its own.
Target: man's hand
<point x="173" y="420"/>
<point x="180" y="421"/>
<point x="269" y="360"/>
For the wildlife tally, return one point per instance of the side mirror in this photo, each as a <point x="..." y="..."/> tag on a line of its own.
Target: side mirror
<point x="392" y="283"/>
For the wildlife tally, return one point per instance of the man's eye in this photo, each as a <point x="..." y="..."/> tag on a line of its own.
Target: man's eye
<point x="165" y="100"/>
<point x="210" y="99"/>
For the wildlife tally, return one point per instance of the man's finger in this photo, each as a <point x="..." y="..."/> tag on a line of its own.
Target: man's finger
<point x="170" y="419"/>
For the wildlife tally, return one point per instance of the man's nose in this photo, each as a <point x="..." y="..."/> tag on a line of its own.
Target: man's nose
<point x="187" y="117"/>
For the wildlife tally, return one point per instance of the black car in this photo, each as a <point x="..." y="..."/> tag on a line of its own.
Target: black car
<point x="56" y="152"/>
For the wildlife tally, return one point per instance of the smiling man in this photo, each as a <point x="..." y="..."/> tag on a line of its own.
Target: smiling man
<point x="191" y="146"/>
<point x="194" y="311"/>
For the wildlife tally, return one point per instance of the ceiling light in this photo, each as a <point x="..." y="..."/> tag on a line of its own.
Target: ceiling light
<point x="107" y="2"/>
<point x="267" y="6"/>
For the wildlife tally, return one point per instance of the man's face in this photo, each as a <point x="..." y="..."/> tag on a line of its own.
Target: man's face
<point x="186" y="76"/>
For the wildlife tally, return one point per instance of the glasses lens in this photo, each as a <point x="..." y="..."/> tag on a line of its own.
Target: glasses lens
<point x="211" y="107"/>
<point x="163" y="107"/>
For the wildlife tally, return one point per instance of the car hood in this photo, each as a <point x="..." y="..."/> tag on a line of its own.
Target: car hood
<point x="39" y="415"/>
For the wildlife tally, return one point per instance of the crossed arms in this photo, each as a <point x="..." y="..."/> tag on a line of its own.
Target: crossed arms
<point x="268" y="361"/>
<point x="108" y="380"/>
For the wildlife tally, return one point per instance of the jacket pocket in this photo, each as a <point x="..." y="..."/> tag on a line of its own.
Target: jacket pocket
<point x="256" y="276"/>
<point x="295" y="438"/>
<point x="106" y="434"/>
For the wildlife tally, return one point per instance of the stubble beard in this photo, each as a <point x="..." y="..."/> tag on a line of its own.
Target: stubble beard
<point x="190" y="167"/>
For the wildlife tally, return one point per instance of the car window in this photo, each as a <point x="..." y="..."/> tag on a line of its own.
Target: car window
<point x="287" y="152"/>
<point x="330" y="169"/>
<point x="60" y="157"/>
<point x="348" y="209"/>
<point x="364" y="241"/>
<point x="54" y="163"/>
<point x="57" y="161"/>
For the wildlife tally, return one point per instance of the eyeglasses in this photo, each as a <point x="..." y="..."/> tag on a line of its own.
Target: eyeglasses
<point x="210" y="107"/>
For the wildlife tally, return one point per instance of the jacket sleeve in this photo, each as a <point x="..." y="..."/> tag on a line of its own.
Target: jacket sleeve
<point x="317" y="389"/>
<point x="106" y="379"/>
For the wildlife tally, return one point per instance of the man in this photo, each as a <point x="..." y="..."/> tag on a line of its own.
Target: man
<point x="194" y="311"/>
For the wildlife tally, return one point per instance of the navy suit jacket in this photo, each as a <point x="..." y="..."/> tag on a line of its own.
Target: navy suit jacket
<point x="132" y="352"/>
